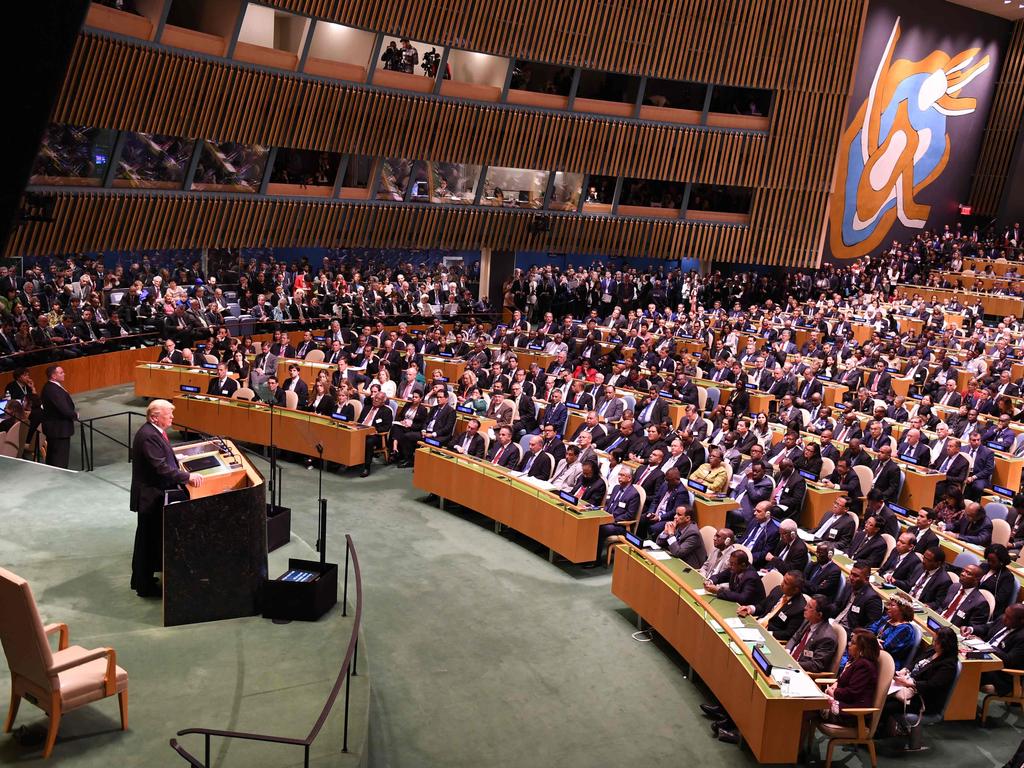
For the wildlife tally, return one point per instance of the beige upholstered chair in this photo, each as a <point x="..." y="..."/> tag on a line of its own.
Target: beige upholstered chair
<point x="55" y="681"/>
<point x="244" y="393"/>
<point x="291" y="399"/>
<point x="314" y="356"/>
<point x="863" y="732"/>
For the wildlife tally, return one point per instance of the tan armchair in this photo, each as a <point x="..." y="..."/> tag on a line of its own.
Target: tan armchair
<point x="863" y="731"/>
<point x="55" y="681"/>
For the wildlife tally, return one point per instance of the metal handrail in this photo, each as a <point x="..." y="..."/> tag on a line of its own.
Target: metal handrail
<point x="345" y="675"/>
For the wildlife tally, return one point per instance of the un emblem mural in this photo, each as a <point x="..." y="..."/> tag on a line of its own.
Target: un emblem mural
<point x="897" y="144"/>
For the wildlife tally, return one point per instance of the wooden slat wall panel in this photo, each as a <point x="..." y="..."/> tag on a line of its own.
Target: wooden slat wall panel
<point x="1002" y="129"/>
<point x="91" y="221"/>
<point x="137" y="87"/>
<point x="803" y="50"/>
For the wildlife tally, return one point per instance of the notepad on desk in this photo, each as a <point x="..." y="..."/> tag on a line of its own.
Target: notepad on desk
<point x="749" y="634"/>
<point x="661" y="555"/>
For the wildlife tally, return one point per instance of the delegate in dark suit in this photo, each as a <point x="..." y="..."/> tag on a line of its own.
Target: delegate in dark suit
<point x="816" y="644"/>
<point x="686" y="544"/>
<point x="790" y="557"/>
<point x="299" y="387"/>
<point x="971" y="610"/>
<point x="624" y="505"/>
<point x="886" y="478"/>
<point x="224" y="387"/>
<point x="904" y="569"/>
<point x="787" y="620"/>
<point x="59" y="418"/>
<point x="378" y="416"/>
<point x="1006" y="636"/>
<point x="791" y="500"/>
<point x="154" y="470"/>
<point x="744" y="589"/>
<point x="536" y="465"/>
<point x="870" y="550"/>
<point x="472" y="445"/>
<point x="507" y="456"/>
<point x="822" y="579"/>
<point x="864" y="610"/>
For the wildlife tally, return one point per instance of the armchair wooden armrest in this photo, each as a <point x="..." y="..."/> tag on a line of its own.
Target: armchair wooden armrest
<point x="62" y="640"/>
<point x="820" y="675"/>
<point x="1018" y="682"/>
<point x="109" y="678"/>
<point x="825" y="681"/>
<point x="862" y="714"/>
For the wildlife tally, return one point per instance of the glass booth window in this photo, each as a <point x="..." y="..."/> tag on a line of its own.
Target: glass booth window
<point x="409" y="56"/>
<point x="541" y="78"/>
<point x="719" y="198"/>
<point x="675" y="94"/>
<point x="608" y="86"/>
<point x="600" y="190"/>
<point x="358" y="172"/>
<point x="648" y="193"/>
<point x="447" y="183"/>
<point x="394" y="178"/>
<point x="153" y="161"/>
<point x="305" y="167"/>
<point x="73" y="152"/>
<point x="227" y="166"/>
<point x="751" y="102"/>
<point x="565" y="195"/>
<point x="515" y="187"/>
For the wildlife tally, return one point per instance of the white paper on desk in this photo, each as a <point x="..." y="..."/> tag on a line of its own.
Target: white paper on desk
<point x="977" y="644"/>
<point x="536" y="482"/>
<point x="735" y="622"/>
<point x="735" y="648"/>
<point x="749" y="634"/>
<point x="716" y="626"/>
<point x="802" y="687"/>
<point x="804" y="534"/>
<point x="648" y="544"/>
<point x="661" y="555"/>
<point x="516" y="473"/>
<point x="700" y="591"/>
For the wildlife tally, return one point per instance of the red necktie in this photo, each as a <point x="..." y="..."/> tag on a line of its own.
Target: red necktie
<point x="955" y="604"/>
<point x="798" y="651"/>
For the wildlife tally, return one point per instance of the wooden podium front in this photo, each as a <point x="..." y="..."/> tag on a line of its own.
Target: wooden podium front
<point x="215" y="541"/>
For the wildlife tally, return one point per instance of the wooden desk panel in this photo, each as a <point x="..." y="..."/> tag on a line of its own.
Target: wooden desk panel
<point x="661" y="593"/>
<point x="165" y="381"/>
<point x="493" y="492"/>
<point x="295" y="431"/>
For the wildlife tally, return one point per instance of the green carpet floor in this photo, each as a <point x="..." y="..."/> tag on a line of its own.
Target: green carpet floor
<point x="480" y="652"/>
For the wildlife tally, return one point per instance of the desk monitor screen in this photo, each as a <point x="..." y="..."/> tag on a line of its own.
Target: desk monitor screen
<point x="898" y="509"/>
<point x="1002" y="491"/>
<point x="464" y="409"/>
<point x="524" y="197"/>
<point x="568" y="498"/>
<point x="189" y="388"/>
<point x="634" y="540"/>
<point x="909" y="459"/>
<point x="761" y="660"/>
<point x="995" y="446"/>
<point x="808" y="475"/>
<point x="446" y="354"/>
<point x="825" y="378"/>
<point x="933" y="624"/>
<point x="210" y="366"/>
<point x="697" y="486"/>
<point x="419" y="189"/>
<point x="432" y="441"/>
<point x="339" y="417"/>
<point x="201" y="463"/>
<point x="3" y="405"/>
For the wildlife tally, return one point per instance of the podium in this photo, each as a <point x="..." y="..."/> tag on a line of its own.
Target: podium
<point x="214" y="537"/>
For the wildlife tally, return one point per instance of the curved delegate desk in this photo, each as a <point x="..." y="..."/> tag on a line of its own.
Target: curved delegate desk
<point x="509" y="500"/>
<point x="670" y="596"/>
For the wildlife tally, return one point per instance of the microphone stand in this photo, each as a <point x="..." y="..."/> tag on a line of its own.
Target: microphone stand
<point x="321" y="540"/>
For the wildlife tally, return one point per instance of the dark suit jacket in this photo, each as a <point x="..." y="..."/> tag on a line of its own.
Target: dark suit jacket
<point x="822" y="579"/>
<point x="444" y="423"/>
<point x="866" y="610"/>
<point x="677" y="497"/>
<point x="1004" y="588"/>
<point x="509" y="459"/>
<point x="793" y="492"/>
<point x="541" y="468"/>
<point x="984" y="465"/>
<point x="958" y="468"/>
<point x="844" y="529"/>
<point x="906" y="572"/>
<point x="851" y="485"/>
<point x="762" y="543"/>
<point x="475" y="447"/>
<point x="974" y="533"/>
<point x="819" y="651"/>
<point x="154" y="470"/>
<point x="556" y="448"/>
<point x="299" y="387"/>
<point x="796" y="559"/>
<point x="687" y="545"/>
<point x="1011" y="647"/>
<point x="870" y="551"/>
<point x="626" y="506"/>
<point x="744" y="589"/>
<point x="888" y="481"/>
<point x="919" y="453"/>
<point x="227" y="390"/>
<point x="58" y="411"/>
<point x="659" y="413"/>
<point x="784" y="624"/>
<point x="925" y="540"/>
<point x="934" y="592"/>
<point x="594" y="493"/>
<point x="972" y="611"/>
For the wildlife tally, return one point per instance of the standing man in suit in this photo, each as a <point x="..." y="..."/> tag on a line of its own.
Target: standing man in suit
<point x="380" y="417"/>
<point x="59" y="417"/>
<point x="984" y="465"/>
<point x="155" y="470"/>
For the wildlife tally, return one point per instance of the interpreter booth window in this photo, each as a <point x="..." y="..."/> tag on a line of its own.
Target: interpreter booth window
<point x="395" y="173"/>
<point x="607" y="93"/>
<point x="740" y="107"/>
<point x="408" y="64"/>
<point x="340" y="52"/>
<point x="226" y="166"/>
<point x="714" y="202"/>
<point x="271" y="38"/>
<point x="204" y="26"/>
<point x="565" y="195"/>
<point x="73" y="155"/>
<point x="358" y="176"/>
<point x="445" y="183"/>
<point x="153" y="161"/>
<point x="647" y="197"/>
<point x="673" y="101"/>
<point x="599" y="195"/>
<point x="515" y="188"/>
<point x="472" y="75"/>
<point x="303" y="172"/>
<point x="540" y="85"/>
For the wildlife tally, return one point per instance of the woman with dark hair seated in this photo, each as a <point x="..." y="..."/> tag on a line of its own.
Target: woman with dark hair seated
<point x="809" y="460"/>
<point x="896" y="633"/>
<point x="998" y="580"/>
<point x="855" y="686"/>
<point x="925" y="686"/>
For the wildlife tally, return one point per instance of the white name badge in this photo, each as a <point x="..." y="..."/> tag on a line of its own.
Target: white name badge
<point x="855" y="609"/>
<point x="833" y="532"/>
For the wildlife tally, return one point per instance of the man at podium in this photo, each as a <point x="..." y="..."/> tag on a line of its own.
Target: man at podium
<point x="155" y="470"/>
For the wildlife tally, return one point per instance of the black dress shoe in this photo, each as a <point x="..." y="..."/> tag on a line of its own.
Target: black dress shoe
<point x="713" y="711"/>
<point x="725" y="723"/>
<point x="365" y="473"/>
<point x="151" y="590"/>
<point x="729" y="737"/>
<point x="404" y="464"/>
